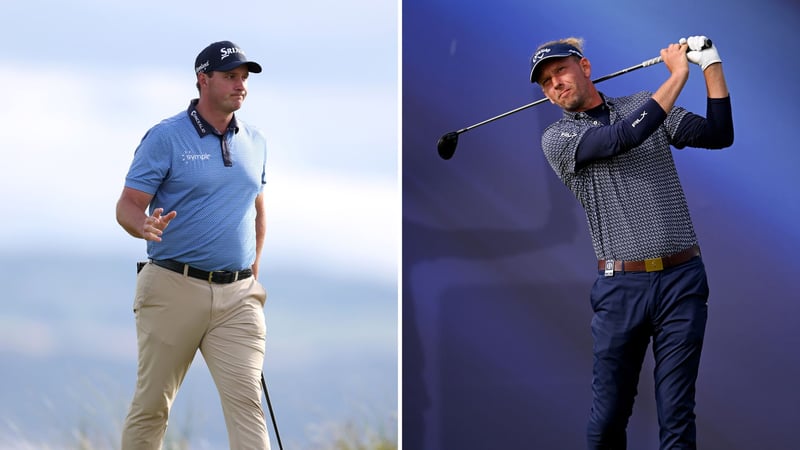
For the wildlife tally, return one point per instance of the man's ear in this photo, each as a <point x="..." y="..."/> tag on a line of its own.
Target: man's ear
<point x="586" y="66"/>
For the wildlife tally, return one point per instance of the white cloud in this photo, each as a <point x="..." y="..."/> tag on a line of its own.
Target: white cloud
<point x="28" y="336"/>
<point x="333" y="190"/>
<point x="45" y="338"/>
<point x="348" y="226"/>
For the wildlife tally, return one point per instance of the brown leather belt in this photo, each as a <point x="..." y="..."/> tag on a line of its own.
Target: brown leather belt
<point x="651" y="265"/>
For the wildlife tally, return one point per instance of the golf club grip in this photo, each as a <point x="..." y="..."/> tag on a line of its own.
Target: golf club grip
<point x="706" y="43"/>
<point x="658" y="59"/>
<point x="650" y="62"/>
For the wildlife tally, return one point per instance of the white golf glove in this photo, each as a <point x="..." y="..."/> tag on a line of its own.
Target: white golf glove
<point x="703" y="57"/>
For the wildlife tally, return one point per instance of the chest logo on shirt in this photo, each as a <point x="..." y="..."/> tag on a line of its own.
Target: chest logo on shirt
<point x="637" y="121"/>
<point x="568" y="135"/>
<point x="188" y="157"/>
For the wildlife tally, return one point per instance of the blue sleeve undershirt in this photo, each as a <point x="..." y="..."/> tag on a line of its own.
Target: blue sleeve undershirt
<point x="714" y="131"/>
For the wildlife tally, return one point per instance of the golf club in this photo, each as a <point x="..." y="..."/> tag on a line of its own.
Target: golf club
<point x="271" y="412"/>
<point x="448" y="142"/>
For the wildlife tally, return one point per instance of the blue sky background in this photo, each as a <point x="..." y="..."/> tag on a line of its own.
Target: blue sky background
<point x="84" y="80"/>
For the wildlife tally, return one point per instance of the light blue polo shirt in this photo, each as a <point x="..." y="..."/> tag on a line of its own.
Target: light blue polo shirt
<point x="180" y="162"/>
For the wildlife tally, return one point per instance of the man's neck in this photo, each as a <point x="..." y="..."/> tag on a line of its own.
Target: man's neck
<point x="218" y="120"/>
<point x="594" y="100"/>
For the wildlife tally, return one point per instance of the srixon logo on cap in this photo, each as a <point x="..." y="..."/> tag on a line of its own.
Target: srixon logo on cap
<point x="225" y="52"/>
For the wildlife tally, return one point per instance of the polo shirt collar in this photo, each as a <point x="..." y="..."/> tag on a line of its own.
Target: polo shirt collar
<point x="202" y="127"/>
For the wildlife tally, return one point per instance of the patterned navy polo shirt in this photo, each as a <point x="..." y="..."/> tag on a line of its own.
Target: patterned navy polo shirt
<point x="634" y="202"/>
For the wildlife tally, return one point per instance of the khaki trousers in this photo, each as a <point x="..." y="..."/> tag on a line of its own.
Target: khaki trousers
<point x="175" y="316"/>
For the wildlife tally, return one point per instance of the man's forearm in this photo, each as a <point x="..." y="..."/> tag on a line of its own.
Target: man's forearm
<point x="716" y="87"/>
<point x="261" y="230"/>
<point x="131" y="218"/>
<point x="668" y="93"/>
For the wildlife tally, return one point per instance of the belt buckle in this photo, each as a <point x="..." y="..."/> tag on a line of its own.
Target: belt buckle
<point x="609" y="268"/>
<point x="228" y="276"/>
<point x="653" y="264"/>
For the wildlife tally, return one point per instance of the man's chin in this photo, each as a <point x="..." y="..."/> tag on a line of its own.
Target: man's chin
<point x="235" y="106"/>
<point x="570" y="106"/>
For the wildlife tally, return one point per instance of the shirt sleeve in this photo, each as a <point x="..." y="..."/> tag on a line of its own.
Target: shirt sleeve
<point x="151" y="164"/>
<point x="715" y="131"/>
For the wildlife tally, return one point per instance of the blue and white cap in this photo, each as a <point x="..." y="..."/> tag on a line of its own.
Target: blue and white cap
<point x="551" y="51"/>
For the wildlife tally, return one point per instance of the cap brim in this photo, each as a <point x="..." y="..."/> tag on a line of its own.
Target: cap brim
<point x="539" y="63"/>
<point x="252" y="66"/>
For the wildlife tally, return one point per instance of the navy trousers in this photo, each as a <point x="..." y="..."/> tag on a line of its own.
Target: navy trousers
<point x="630" y="308"/>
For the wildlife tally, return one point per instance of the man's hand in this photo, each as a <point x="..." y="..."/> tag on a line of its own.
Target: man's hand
<point x="154" y="225"/>
<point x="703" y="57"/>
<point x="674" y="57"/>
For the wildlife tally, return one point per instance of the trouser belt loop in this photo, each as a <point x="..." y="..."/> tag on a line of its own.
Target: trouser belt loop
<point x="186" y="270"/>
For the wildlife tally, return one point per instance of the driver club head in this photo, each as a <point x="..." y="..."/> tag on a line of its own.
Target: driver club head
<point x="447" y="145"/>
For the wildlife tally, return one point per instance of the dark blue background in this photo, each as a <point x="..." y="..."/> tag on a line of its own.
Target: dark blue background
<point x="497" y="260"/>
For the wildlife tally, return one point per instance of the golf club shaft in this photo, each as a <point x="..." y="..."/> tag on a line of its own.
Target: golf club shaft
<point x="446" y="146"/>
<point x="647" y="63"/>
<point x="271" y="412"/>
